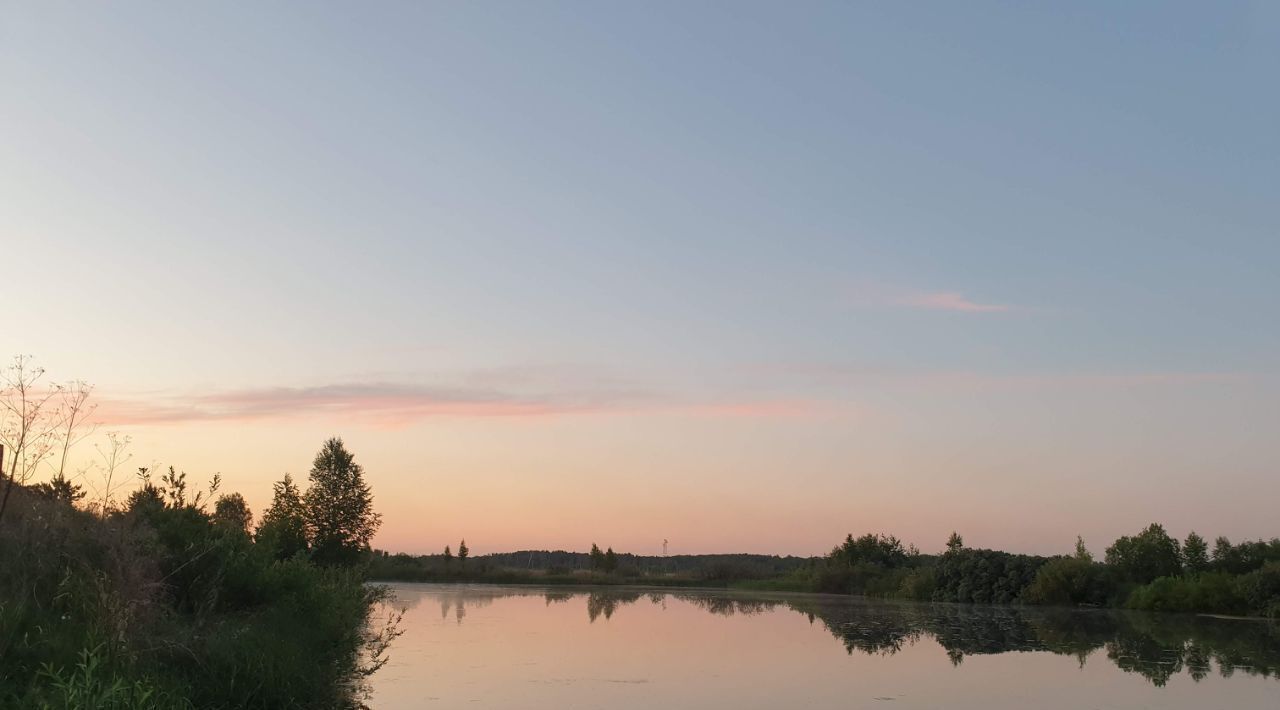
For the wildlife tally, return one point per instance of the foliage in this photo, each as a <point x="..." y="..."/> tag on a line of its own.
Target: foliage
<point x="1082" y="552"/>
<point x="1195" y="554"/>
<point x="283" y="528"/>
<point x="59" y="488"/>
<point x="1069" y="581"/>
<point x="882" y="550"/>
<point x="1256" y="592"/>
<point x="339" y="507"/>
<point x="1244" y="557"/>
<point x="984" y="576"/>
<point x="165" y="604"/>
<point x="1208" y="592"/>
<point x="90" y="684"/>
<point x="231" y="513"/>
<point x="1146" y="556"/>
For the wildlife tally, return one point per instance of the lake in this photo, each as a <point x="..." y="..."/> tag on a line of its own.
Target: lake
<point x="478" y="646"/>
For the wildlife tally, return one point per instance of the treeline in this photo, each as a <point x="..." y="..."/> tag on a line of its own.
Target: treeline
<point x="595" y="567"/>
<point x="1150" y="570"/>
<point x="175" y="599"/>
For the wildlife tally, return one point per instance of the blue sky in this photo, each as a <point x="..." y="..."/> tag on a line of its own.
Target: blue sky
<point x="978" y="247"/>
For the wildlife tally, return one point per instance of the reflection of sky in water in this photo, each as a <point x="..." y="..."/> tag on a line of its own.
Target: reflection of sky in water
<point x="576" y="648"/>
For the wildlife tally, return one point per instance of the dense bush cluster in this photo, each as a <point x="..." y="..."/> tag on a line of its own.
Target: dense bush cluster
<point x="1150" y="571"/>
<point x="171" y="601"/>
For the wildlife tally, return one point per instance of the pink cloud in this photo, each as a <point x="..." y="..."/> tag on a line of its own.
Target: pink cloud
<point x="399" y="404"/>
<point x="950" y="301"/>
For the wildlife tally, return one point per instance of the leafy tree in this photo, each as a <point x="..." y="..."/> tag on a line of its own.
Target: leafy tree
<point x="1146" y="556"/>
<point x="955" y="543"/>
<point x="339" y="507"/>
<point x="1221" y="549"/>
<point x="230" y="512"/>
<point x="284" y="525"/>
<point x="984" y="576"/>
<point x="610" y="560"/>
<point x="1195" y="554"/>
<point x="448" y="556"/>
<point x="881" y="550"/>
<point x="597" y="557"/>
<point x="59" y="488"/>
<point x="463" y="553"/>
<point x="1082" y="552"/>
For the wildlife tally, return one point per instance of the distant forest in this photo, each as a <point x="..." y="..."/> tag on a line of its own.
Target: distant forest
<point x="1150" y="570"/>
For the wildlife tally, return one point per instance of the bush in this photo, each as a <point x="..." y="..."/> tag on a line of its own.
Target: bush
<point x="160" y="608"/>
<point x="1260" y="590"/>
<point x="1070" y="581"/>
<point x="919" y="585"/>
<point x="1212" y="592"/>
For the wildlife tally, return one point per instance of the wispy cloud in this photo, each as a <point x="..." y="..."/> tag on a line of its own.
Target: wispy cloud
<point x="396" y="404"/>
<point x="873" y="295"/>
<point x="838" y="375"/>
<point x="950" y="301"/>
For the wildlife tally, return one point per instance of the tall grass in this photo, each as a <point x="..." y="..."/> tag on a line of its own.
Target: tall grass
<point x="162" y="609"/>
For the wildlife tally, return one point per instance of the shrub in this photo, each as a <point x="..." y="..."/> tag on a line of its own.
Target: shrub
<point x="1069" y="581"/>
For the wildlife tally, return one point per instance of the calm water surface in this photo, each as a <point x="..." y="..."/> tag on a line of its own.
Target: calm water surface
<point x="470" y="646"/>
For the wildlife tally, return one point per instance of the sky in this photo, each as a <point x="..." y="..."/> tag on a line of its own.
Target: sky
<point x="742" y="276"/>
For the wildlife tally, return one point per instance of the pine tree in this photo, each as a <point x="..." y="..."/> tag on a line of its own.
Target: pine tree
<point x="610" y="560"/>
<point x="955" y="543"/>
<point x="448" y="556"/>
<point x="597" y="557"/>
<point x="339" y="507"/>
<point x="463" y="553"/>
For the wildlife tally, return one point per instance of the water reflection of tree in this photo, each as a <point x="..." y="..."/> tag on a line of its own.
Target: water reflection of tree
<point x="455" y="600"/>
<point x="728" y="606"/>
<point x="557" y="597"/>
<point x="607" y="601"/>
<point x="1155" y="647"/>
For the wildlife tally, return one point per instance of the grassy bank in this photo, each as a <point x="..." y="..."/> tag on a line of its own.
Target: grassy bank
<point x="163" y="608"/>
<point x="167" y="601"/>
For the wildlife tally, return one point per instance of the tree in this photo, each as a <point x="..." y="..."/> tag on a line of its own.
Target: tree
<point x="463" y="553"/>
<point x="147" y="498"/>
<point x="284" y="524"/>
<point x="1195" y="554"/>
<point x="955" y="543"/>
<point x="1146" y="556"/>
<point x="610" y="560"/>
<point x="881" y="550"/>
<point x="60" y="489"/>
<point x="339" y="507"/>
<point x="231" y="513"/>
<point x="597" y="557"/>
<point x="1082" y="552"/>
